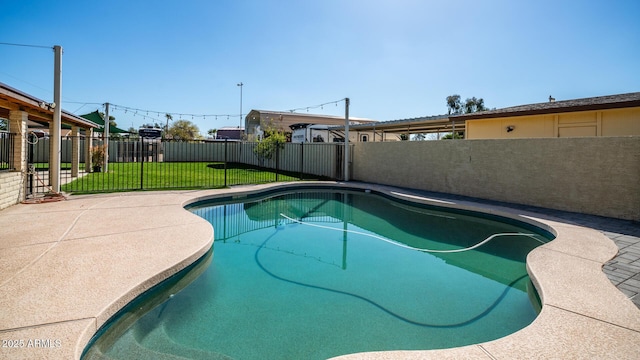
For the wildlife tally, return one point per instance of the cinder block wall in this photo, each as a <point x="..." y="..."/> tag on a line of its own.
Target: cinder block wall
<point x="595" y="175"/>
<point x="10" y="188"/>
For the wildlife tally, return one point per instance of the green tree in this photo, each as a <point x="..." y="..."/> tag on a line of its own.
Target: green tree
<point x="212" y="132"/>
<point x="183" y="130"/>
<point x="471" y="105"/>
<point x="165" y="129"/>
<point x="112" y="119"/>
<point x="454" y="104"/>
<point x="273" y="140"/>
<point x="133" y="133"/>
<point x="455" y="107"/>
<point x="169" y="118"/>
<point x="450" y="136"/>
<point x="474" y="105"/>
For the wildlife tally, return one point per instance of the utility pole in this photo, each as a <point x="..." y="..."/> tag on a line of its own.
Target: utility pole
<point x="240" y="84"/>
<point x="54" y="168"/>
<point x="346" y="139"/>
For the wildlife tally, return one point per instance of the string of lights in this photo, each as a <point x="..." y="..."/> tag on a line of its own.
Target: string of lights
<point x="153" y="114"/>
<point x="321" y="106"/>
<point x="161" y="115"/>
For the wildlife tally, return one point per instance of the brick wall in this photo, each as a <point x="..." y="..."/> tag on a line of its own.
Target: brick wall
<point x="11" y="187"/>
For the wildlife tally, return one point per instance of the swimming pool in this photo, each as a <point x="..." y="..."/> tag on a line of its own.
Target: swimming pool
<point x="317" y="274"/>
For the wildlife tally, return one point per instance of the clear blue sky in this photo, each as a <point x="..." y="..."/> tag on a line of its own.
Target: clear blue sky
<point x="394" y="59"/>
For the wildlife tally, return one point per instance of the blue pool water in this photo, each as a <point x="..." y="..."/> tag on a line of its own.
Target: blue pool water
<point x="317" y="274"/>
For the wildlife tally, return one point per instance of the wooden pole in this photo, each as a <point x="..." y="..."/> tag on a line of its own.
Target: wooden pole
<point x="54" y="166"/>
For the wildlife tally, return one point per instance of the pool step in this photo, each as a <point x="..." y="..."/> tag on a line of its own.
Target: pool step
<point x="128" y="348"/>
<point x="160" y="341"/>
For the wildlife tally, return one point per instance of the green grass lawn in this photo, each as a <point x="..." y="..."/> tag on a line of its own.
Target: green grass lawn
<point x="184" y="175"/>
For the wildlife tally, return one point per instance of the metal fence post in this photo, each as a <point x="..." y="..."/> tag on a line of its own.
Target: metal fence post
<point x="301" y="159"/>
<point x="277" y="161"/>
<point x="30" y="166"/>
<point x="226" y="143"/>
<point x="142" y="155"/>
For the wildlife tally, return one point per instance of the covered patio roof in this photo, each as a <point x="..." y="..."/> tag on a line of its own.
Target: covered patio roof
<point x="420" y="125"/>
<point x="39" y="110"/>
<point x="283" y="120"/>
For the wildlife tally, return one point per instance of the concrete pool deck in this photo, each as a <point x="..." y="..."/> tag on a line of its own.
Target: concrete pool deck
<point x="68" y="266"/>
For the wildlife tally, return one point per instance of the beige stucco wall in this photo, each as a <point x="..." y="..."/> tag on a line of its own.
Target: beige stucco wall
<point x="524" y="127"/>
<point x="596" y="175"/>
<point x="621" y="122"/>
<point x="613" y="122"/>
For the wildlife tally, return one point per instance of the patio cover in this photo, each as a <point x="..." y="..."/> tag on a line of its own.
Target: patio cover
<point x="97" y="118"/>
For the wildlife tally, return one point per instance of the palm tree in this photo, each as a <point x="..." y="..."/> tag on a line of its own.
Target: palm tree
<point x="169" y="117"/>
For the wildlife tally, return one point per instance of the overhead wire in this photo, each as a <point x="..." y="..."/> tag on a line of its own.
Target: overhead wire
<point x="159" y="113"/>
<point x="27" y="45"/>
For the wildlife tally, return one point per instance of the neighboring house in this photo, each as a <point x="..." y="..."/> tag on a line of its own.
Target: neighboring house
<point x="230" y="133"/>
<point x="614" y="115"/>
<point x="257" y="120"/>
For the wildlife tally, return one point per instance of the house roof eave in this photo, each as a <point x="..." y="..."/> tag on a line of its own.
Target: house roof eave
<point x="584" y="104"/>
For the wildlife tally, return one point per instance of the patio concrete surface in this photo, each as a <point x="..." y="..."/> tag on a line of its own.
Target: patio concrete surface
<point x="68" y="266"/>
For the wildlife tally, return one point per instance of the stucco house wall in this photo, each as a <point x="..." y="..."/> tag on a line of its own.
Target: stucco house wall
<point x="612" y="122"/>
<point x="619" y="122"/>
